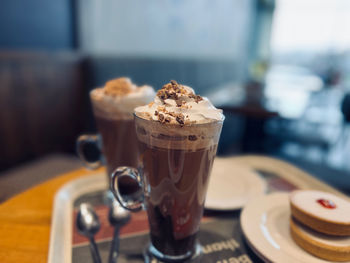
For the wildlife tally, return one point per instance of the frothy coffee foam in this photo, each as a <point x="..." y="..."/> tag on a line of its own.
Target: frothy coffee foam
<point x="119" y="97"/>
<point x="188" y="137"/>
<point x="178" y="104"/>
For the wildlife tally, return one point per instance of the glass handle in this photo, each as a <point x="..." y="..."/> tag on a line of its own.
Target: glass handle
<point x="132" y="201"/>
<point x="83" y="142"/>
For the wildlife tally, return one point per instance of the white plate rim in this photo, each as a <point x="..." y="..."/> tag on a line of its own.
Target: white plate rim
<point x="253" y="178"/>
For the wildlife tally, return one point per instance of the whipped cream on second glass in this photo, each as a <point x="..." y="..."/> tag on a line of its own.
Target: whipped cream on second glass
<point x="119" y="97"/>
<point x="178" y="104"/>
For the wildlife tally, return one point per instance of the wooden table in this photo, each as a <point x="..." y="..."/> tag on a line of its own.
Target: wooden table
<point x="26" y="218"/>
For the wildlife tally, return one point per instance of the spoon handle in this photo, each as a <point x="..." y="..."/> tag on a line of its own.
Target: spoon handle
<point x="114" y="249"/>
<point x="94" y="251"/>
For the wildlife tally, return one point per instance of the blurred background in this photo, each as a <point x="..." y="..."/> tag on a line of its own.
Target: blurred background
<point x="279" y="69"/>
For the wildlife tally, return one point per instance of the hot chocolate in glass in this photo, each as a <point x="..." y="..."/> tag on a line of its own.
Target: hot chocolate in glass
<point x="178" y="135"/>
<point x="113" y="106"/>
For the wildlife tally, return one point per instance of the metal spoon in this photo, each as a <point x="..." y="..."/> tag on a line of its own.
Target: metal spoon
<point x="88" y="225"/>
<point x="118" y="217"/>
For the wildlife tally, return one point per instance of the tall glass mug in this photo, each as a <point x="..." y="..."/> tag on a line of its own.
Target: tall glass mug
<point x="173" y="172"/>
<point x="113" y="107"/>
<point x="116" y="140"/>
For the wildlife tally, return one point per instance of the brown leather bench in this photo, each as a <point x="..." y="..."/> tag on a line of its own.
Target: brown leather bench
<point x="42" y="104"/>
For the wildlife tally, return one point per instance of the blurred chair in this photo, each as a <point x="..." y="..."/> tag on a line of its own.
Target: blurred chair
<point x="42" y="104"/>
<point x="345" y="110"/>
<point x="246" y="117"/>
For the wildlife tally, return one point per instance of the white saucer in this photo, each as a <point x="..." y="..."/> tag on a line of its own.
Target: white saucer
<point x="232" y="185"/>
<point x="265" y="224"/>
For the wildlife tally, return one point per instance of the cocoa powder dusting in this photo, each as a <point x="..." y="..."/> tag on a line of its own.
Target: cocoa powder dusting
<point x="118" y="87"/>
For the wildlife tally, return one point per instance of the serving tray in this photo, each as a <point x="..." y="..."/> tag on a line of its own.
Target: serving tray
<point x="220" y="233"/>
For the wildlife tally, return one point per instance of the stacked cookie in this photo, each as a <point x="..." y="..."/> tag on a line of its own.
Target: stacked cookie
<point x="320" y="224"/>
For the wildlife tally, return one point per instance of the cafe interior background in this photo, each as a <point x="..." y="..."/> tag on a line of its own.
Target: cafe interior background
<point x="280" y="70"/>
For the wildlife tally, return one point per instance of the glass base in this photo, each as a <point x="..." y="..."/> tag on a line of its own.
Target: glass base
<point x="152" y="255"/>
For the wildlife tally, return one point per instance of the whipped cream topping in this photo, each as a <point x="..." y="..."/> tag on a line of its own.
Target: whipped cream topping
<point x="119" y="97"/>
<point x="178" y="104"/>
